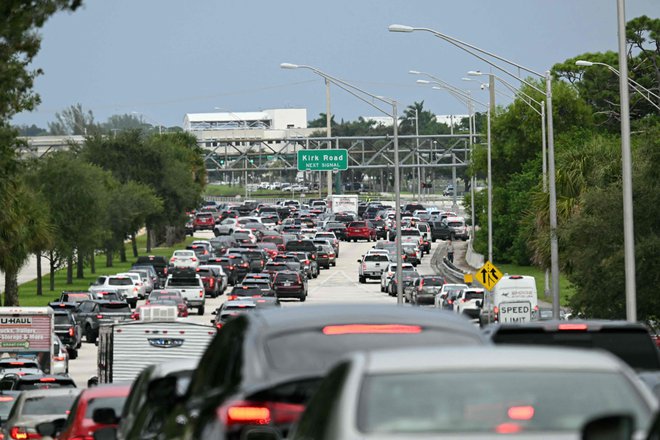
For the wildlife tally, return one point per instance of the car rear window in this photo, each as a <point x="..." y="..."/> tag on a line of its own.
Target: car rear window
<point x="634" y="347"/>
<point x="286" y="277"/>
<point x="115" y="308"/>
<point x="358" y="225"/>
<point x="116" y="403"/>
<point x="437" y="281"/>
<point x="455" y="224"/>
<point x="410" y="232"/>
<point x="6" y="402"/>
<point x="182" y="282"/>
<point x="42" y="406"/>
<point x="120" y="282"/>
<point x="204" y="216"/>
<point x="62" y="320"/>
<point x="8" y="365"/>
<point x="378" y="258"/>
<point x="473" y="295"/>
<point x="319" y="348"/>
<point x="300" y="245"/>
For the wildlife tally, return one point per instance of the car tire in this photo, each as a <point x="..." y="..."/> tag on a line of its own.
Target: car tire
<point x="362" y="280"/>
<point x="73" y="353"/>
<point x="89" y="335"/>
<point x="303" y="298"/>
<point x="133" y="303"/>
<point x="200" y="311"/>
<point x="334" y="264"/>
<point x="433" y="240"/>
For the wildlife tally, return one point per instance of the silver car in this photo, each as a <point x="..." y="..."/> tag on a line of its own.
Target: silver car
<point x="473" y="392"/>
<point x="36" y="406"/>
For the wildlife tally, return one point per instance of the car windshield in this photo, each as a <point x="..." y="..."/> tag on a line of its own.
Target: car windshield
<point x="455" y="224"/>
<point x="181" y="282"/>
<point x="488" y="401"/>
<point x="286" y="278"/>
<point x="470" y="294"/>
<point x="435" y="281"/>
<point x="115" y="308"/>
<point x="47" y="405"/>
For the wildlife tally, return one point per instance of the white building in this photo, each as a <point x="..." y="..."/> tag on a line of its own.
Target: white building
<point x="270" y="124"/>
<point x="386" y="121"/>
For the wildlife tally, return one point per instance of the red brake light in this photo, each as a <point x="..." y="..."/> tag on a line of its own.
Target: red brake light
<point x="508" y="428"/>
<point x="47" y="379"/>
<point x="260" y="413"/>
<point x="252" y="415"/>
<point x="71" y="332"/>
<point x="371" y="329"/>
<point x="99" y="316"/>
<point x="6" y="399"/>
<point x="572" y="327"/>
<point x="17" y="364"/>
<point x="521" y="412"/>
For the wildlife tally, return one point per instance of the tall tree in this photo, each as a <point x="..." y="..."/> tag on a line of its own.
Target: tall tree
<point x="74" y="121"/>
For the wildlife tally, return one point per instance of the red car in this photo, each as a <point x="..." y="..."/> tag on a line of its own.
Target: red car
<point x="363" y="230"/>
<point x="203" y="220"/>
<point x="80" y="424"/>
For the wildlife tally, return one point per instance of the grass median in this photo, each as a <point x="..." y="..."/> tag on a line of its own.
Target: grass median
<point x="27" y="291"/>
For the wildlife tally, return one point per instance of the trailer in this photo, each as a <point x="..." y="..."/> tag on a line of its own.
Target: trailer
<point x="28" y="332"/>
<point x="126" y="348"/>
<point x="342" y="203"/>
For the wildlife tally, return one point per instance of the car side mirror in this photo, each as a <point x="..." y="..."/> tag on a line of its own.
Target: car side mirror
<point x="612" y="427"/>
<point x="52" y="428"/>
<point x="105" y="416"/>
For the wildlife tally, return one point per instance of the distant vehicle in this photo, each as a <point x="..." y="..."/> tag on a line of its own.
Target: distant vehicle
<point x="342" y="203"/>
<point x="468" y="302"/>
<point x="92" y="314"/>
<point x="447" y="295"/>
<point x="75" y="297"/>
<point x="513" y="300"/>
<point x="289" y="284"/>
<point x="360" y="230"/>
<point x="28" y="331"/>
<point x="36" y="382"/>
<point x="191" y="287"/>
<point x="159" y="263"/>
<point x="440" y="230"/>
<point x="533" y="393"/>
<point x="68" y="330"/>
<point x="372" y="267"/>
<point x="123" y="285"/>
<point x="448" y="191"/>
<point x="126" y="348"/>
<point x="425" y="289"/>
<point x="458" y="227"/>
<point x="184" y="258"/>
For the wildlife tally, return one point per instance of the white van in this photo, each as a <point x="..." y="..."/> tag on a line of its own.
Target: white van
<point x="513" y="300"/>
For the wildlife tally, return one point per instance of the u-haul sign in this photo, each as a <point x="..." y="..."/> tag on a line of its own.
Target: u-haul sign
<point x="515" y="312"/>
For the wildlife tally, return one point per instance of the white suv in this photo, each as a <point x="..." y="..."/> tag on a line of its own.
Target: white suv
<point x="469" y="302"/>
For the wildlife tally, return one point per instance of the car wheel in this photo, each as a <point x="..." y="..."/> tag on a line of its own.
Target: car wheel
<point x="433" y="240"/>
<point x="73" y="353"/>
<point x="303" y="298"/>
<point x="334" y="264"/>
<point x="362" y="280"/>
<point x="89" y="335"/>
<point x="200" y="310"/>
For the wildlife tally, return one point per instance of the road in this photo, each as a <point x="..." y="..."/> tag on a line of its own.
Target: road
<point x="336" y="285"/>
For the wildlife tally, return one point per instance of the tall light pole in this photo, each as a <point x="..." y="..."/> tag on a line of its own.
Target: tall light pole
<point x="481" y="54"/>
<point x="362" y="96"/>
<point x="328" y="124"/>
<point x="626" y="162"/>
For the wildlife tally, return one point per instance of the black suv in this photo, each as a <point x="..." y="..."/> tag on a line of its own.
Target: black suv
<point x="440" y="230"/>
<point x="91" y="314"/>
<point x="159" y="263"/>
<point x="68" y="330"/>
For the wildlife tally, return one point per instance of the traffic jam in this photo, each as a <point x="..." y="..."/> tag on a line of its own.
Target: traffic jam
<point x="257" y="329"/>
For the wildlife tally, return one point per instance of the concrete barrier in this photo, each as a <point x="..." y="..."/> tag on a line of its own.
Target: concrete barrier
<point x="472" y="258"/>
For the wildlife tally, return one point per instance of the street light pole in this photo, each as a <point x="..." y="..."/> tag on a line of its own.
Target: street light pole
<point x="328" y="122"/>
<point x="626" y="161"/>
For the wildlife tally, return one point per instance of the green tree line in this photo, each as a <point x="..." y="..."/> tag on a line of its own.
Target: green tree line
<point x="588" y="179"/>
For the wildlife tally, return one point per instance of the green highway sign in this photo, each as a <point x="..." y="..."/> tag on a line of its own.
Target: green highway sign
<point x="322" y="160"/>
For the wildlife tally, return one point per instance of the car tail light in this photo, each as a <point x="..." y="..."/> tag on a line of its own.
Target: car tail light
<point x="72" y="332"/>
<point x="165" y="270"/>
<point x="194" y="259"/>
<point x="244" y="265"/>
<point x="572" y="327"/>
<point x="47" y="379"/>
<point x="371" y="329"/>
<point x="99" y="316"/>
<point x="172" y="260"/>
<point x="259" y="413"/>
<point x="232" y="297"/>
<point x="231" y="268"/>
<point x="20" y="433"/>
<point x="201" y="294"/>
<point x="218" y="325"/>
<point x="364" y="266"/>
<point x="496" y="310"/>
<point x="59" y="358"/>
<point x="211" y="282"/>
<point x="135" y="316"/>
<point x="313" y="257"/>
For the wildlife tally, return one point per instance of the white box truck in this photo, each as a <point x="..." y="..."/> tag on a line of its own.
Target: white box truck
<point x="126" y="348"/>
<point x="514" y="299"/>
<point x="28" y="332"/>
<point x="342" y="203"/>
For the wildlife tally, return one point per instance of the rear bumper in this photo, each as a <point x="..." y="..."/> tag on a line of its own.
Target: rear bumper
<point x="286" y="292"/>
<point x="372" y="274"/>
<point x="425" y="298"/>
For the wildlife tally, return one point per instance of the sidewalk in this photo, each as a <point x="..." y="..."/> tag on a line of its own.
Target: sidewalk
<point x="28" y="272"/>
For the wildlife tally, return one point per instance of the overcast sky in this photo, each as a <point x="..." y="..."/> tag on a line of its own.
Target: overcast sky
<point x="165" y="58"/>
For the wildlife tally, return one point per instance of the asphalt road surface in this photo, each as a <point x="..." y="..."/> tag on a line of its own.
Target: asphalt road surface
<point x="335" y="285"/>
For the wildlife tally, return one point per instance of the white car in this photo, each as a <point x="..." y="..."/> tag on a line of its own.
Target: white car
<point x="372" y="266"/>
<point x="123" y="285"/>
<point x="448" y="291"/>
<point x="137" y="282"/>
<point x="184" y="258"/>
<point x="469" y="302"/>
<point x="226" y="227"/>
<point x="389" y="272"/>
<point x="146" y="280"/>
<point x="250" y="235"/>
<point x="60" y="357"/>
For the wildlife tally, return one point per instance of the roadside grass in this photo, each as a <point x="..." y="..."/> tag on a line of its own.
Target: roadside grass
<point x="566" y="289"/>
<point x="27" y="291"/>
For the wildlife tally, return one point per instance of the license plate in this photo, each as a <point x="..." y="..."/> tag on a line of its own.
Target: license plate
<point x="286" y="284"/>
